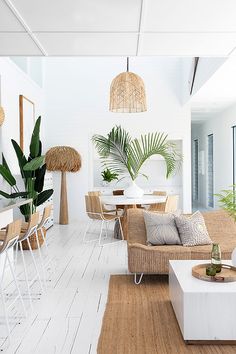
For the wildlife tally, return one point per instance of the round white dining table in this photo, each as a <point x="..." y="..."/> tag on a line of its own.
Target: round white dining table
<point x="123" y="200"/>
<point x="130" y="203"/>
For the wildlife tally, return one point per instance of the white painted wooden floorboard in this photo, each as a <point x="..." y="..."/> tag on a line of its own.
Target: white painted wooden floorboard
<point x="68" y="317"/>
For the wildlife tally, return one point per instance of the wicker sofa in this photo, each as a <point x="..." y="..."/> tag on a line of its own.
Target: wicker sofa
<point x="143" y="259"/>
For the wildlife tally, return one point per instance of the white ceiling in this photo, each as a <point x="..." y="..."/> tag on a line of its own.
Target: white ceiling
<point x="117" y="27"/>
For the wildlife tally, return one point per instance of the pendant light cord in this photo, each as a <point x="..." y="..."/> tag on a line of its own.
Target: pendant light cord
<point x="127" y="64"/>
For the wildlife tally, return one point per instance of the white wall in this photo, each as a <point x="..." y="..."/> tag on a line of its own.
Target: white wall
<point x="220" y="125"/>
<point x="76" y="106"/>
<point x="15" y="82"/>
<point x="205" y="69"/>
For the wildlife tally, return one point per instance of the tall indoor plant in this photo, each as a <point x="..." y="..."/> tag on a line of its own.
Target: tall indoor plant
<point x="32" y="171"/>
<point x="126" y="156"/>
<point x="227" y="201"/>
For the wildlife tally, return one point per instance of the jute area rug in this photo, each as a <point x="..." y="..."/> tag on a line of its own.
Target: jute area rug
<point x="139" y="319"/>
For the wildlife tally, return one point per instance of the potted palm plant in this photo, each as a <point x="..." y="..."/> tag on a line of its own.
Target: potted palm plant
<point x="32" y="171"/>
<point x="126" y="156"/>
<point x="227" y="201"/>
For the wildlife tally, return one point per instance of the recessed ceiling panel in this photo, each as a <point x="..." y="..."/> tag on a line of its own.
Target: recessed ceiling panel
<point x="190" y="15"/>
<point x="17" y="44"/>
<point x="88" y="43"/>
<point x="80" y="15"/>
<point x="187" y="44"/>
<point x="8" y="21"/>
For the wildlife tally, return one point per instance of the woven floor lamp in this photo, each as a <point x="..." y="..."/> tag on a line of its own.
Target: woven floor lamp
<point x="64" y="159"/>
<point x="127" y="93"/>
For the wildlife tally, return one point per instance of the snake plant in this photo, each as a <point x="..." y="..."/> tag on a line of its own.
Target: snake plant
<point x="32" y="171"/>
<point x="124" y="155"/>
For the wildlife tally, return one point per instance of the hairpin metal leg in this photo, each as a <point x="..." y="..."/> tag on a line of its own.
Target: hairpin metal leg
<point x="121" y="230"/>
<point x="35" y="265"/>
<point x="101" y="230"/>
<point x="136" y="280"/>
<point x="41" y="259"/>
<point x="26" y="275"/>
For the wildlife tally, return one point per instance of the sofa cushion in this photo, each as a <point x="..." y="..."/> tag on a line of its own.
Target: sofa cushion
<point x="192" y="230"/>
<point x="161" y="229"/>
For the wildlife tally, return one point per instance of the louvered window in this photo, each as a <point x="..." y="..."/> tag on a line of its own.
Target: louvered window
<point x="195" y="169"/>
<point x="210" y="172"/>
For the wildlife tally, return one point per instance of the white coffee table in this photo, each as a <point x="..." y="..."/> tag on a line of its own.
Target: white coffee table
<point x="205" y="311"/>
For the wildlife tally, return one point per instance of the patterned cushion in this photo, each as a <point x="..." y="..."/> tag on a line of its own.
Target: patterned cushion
<point x="192" y="230"/>
<point x="161" y="229"/>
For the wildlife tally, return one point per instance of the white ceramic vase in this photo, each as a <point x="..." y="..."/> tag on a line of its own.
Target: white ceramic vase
<point x="133" y="191"/>
<point x="233" y="257"/>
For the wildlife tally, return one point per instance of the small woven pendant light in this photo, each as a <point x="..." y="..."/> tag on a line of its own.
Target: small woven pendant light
<point x="127" y="93"/>
<point x="2" y="113"/>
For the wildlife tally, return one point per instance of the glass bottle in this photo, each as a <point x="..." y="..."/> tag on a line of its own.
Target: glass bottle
<point x="216" y="257"/>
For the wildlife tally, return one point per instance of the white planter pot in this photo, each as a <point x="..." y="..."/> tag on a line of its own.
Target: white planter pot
<point x="133" y="191"/>
<point x="105" y="184"/>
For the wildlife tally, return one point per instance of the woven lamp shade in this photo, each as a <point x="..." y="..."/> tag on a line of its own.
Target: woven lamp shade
<point x="2" y="115"/>
<point x="127" y="94"/>
<point x="63" y="158"/>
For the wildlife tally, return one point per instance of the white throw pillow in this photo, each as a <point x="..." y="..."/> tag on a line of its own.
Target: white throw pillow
<point x="161" y="229"/>
<point x="192" y="230"/>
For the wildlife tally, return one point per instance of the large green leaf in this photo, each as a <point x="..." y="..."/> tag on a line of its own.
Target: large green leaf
<point x="7" y="175"/>
<point x="40" y="148"/>
<point x="43" y="197"/>
<point x="19" y="194"/>
<point x="14" y="195"/>
<point x="26" y="211"/>
<point x="5" y="195"/>
<point x="35" y="141"/>
<point x="34" y="164"/>
<point x="153" y="144"/>
<point x="39" y="180"/>
<point x="21" y="159"/>
<point x="4" y="163"/>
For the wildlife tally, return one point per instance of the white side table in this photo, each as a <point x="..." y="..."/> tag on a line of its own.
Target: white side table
<point x="205" y="311"/>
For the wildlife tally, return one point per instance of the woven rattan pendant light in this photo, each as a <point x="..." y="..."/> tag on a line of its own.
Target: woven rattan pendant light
<point x="127" y="93"/>
<point x="2" y="113"/>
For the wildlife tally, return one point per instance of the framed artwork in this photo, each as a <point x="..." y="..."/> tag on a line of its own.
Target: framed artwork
<point x="27" y="121"/>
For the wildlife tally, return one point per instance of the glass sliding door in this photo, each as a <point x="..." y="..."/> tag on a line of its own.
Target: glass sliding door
<point x="195" y="169"/>
<point x="210" y="172"/>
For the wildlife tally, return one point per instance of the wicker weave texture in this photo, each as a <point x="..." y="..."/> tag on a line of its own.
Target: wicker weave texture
<point x="33" y="240"/>
<point x="155" y="259"/>
<point x="2" y="115"/>
<point x="127" y="94"/>
<point x="63" y="158"/>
